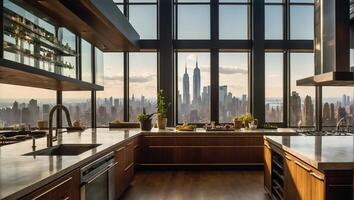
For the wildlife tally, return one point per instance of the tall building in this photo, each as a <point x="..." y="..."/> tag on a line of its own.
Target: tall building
<point x="222" y="94"/>
<point x="45" y="110"/>
<point x="344" y="100"/>
<point x="196" y="83"/>
<point x="186" y="98"/>
<point x="308" y="112"/>
<point x="295" y="108"/>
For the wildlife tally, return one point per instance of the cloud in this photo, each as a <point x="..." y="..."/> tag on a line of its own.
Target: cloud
<point x="132" y="79"/>
<point x="232" y="70"/>
<point x="226" y="70"/>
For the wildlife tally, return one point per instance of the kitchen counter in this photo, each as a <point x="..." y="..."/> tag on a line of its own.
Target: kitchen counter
<point x="321" y="152"/>
<point x="203" y="132"/>
<point x="21" y="175"/>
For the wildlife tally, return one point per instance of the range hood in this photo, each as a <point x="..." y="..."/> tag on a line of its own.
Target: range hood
<point x="332" y="45"/>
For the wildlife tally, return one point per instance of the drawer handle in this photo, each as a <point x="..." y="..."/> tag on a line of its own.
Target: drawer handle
<point x="288" y="158"/>
<point x="340" y="185"/>
<point x="317" y="176"/>
<point x="303" y="166"/>
<point x="66" y="198"/>
<point x="267" y="145"/>
<point x="120" y="149"/>
<point x="53" y="188"/>
<point x="129" y="166"/>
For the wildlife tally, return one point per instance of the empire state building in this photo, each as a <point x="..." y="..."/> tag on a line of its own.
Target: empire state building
<point x="186" y="97"/>
<point x="196" y="83"/>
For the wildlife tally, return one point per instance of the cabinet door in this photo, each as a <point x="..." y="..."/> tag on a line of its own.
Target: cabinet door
<point x="120" y="184"/>
<point x="303" y="180"/>
<point x="317" y="185"/>
<point x="290" y="179"/>
<point x="129" y="165"/>
<point x="267" y="167"/>
<point x="66" y="187"/>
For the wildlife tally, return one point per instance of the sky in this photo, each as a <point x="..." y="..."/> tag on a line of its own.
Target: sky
<point x="193" y="23"/>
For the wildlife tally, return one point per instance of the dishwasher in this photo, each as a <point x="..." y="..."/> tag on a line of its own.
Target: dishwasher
<point x="97" y="179"/>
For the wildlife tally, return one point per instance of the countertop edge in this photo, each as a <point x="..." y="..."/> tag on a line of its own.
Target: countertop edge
<point x="322" y="166"/>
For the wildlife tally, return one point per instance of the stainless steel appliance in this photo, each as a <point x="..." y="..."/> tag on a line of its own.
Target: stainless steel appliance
<point x="97" y="179"/>
<point x="323" y="133"/>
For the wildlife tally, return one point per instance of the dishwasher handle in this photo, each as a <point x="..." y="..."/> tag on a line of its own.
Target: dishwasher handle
<point x="98" y="174"/>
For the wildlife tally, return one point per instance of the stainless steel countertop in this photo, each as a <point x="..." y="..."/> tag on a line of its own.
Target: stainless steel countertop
<point x="321" y="152"/>
<point x="20" y="175"/>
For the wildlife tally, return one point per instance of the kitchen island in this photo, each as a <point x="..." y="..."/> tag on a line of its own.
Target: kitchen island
<point x="24" y="175"/>
<point x="309" y="167"/>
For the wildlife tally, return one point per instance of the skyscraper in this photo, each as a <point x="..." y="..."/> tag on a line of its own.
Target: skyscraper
<point x="295" y="108"/>
<point x="222" y="94"/>
<point x="186" y="98"/>
<point x="307" y="115"/>
<point x="196" y="83"/>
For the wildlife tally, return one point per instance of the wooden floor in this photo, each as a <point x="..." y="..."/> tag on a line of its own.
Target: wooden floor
<point x="197" y="185"/>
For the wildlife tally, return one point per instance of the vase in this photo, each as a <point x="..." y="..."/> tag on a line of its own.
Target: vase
<point x="237" y="124"/>
<point x="161" y="123"/>
<point x="146" y="125"/>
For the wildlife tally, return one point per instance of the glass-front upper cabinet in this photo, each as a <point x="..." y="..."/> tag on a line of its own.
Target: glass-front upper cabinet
<point x="99" y="80"/>
<point x="31" y="39"/>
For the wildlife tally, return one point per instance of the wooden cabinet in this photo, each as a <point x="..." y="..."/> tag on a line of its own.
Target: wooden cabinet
<point x="120" y="184"/>
<point x="304" y="182"/>
<point x="290" y="191"/>
<point x="317" y="186"/>
<point x="267" y="167"/>
<point x="64" y="188"/>
<point x="175" y="150"/>
<point x="125" y="156"/>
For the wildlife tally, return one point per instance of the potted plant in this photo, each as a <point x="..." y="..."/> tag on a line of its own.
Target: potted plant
<point x="162" y="107"/>
<point x="246" y="119"/>
<point x="237" y="123"/>
<point x="145" y="121"/>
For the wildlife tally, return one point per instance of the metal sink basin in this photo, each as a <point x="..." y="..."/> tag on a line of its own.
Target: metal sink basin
<point x="63" y="150"/>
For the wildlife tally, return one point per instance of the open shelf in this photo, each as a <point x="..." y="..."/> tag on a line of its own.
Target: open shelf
<point x="99" y="22"/>
<point x="23" y="75"/>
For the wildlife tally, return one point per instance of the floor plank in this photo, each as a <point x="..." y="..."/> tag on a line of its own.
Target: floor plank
<point x="197" y="185"/>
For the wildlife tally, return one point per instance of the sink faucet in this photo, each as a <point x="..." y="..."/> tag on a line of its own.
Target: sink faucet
<point x="344" y="121"/>
<point x="51" y="113"/>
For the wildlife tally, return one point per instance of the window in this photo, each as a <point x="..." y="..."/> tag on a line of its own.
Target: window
<point x="233" y="21"/>
<point x="273" y="21"/>
<point x="17" y="105"/>
<point x="233" y="81"/>
<point x="302" y="99"/>
<point x="144" y="19"/>
<point x="86" y="61"/>
<point x="99" y="67"/>
<point x="110" y="105"/>
<point x="193" y="21"/>
<point x="79" y="105"/>
<point x="301" y="22"/>
<point x="337" y="102"/>
<point x="68" y="38"/>
<point x="274" y="87"/>
<point x="193" y="87"/>
<point x="142" y="83"/>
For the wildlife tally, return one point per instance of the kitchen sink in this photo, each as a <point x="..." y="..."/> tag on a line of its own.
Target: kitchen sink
<point x="63" y="150"/>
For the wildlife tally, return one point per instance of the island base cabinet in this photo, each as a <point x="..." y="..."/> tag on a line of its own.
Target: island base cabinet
<point x="201" y="150"/>
<point x="304" y="182"/>
<point x="66" y="187"/>
<point x="125" y="156"/>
